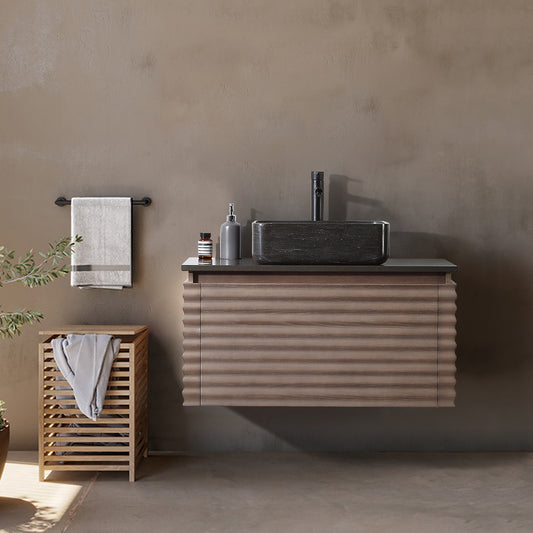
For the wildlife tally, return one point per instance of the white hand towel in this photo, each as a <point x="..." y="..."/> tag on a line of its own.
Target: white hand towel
<point x="85" y="361"/>
<point x="103" y="258"/>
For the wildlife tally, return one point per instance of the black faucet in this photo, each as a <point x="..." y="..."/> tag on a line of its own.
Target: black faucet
<point x="317" y="195"/>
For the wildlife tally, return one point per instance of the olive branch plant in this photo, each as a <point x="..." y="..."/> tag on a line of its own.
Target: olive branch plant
<point x="31" y="272"/>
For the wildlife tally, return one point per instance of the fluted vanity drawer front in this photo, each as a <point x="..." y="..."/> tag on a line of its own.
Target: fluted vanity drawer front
<point x="191" y="343"/>
<point x="446" y="345"/>
<point x="298" y="345"/>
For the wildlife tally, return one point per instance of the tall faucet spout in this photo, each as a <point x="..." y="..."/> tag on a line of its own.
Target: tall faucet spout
<point x="317" y="195"/>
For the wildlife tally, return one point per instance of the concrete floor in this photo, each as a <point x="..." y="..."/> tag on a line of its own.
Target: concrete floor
<point x="277" y="493"/>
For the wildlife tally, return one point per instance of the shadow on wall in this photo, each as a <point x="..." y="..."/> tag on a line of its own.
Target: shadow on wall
<point x="163" y="376"/>
<point x="494" y="363"/>
<point x="340" y="200"/>
<point x="494" y="306"/>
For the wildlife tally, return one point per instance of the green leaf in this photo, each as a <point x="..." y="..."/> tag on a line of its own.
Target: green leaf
<point x="28" y="273"/>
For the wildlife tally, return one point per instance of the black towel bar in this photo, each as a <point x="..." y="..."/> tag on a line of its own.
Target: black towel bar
<point x="146" y="201"/>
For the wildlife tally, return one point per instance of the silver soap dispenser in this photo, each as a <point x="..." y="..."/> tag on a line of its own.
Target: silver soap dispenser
<point x="230" y="237"/>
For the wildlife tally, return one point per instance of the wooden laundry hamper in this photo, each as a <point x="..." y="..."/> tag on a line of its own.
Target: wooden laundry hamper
<point x="68" y="440"/>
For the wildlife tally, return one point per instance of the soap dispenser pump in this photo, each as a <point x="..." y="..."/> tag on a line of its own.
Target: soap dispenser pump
<point x="230" y="236"/>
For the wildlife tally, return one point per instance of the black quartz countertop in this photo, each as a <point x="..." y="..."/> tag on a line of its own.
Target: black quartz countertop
<point x="391" y="265"/>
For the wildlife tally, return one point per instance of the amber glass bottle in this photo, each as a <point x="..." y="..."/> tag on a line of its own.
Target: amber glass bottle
<point x="205" y="248"/>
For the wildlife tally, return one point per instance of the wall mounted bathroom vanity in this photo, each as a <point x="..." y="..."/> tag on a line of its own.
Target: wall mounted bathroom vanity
<point x="312" y="335"/>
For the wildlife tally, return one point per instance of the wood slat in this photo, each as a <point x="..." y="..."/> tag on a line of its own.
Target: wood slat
<point x="82" y="329"/>
<point x="67" y="411"/>
<point x="232" y="292"/>
<point x="120" y="373"/>
<point x="319" y="401"/>
<point x="191" y="344"/>
<point x="82" y="427"/>
<point x="320" y="305"/>
<point x="191" y="385"/>
<point x="139" y="445"/>
<point x="446" y="381"/>
<point x="41" y="411"/>
<point x="447" y="357"/>
<point x="101" y="429"/>
<point x="212" y="342"/>
<point x="101" y="422"/>
<point x="57" y="448"/>
<point x="140" y="340"/>
<point x="323" y="367"/>
<point x="190" y="398"/>
<point x="313" y="391"/>
<point x="118" y="390"/>
<point x="80" y="438"/>
<point x="89" y="467"/>
<point x="282" y="381"/>
<point x="87" y="458"/>
<point x="123" y="355"/>
<point x="284" y="332"/>
<point x="447" y="393"/>
<point x="141" y="380"/>
<point x="107" y="402"/>
<point x="123" y="349"/>
<point x="319" y="354"/>
<point x="307" y="317"/>
<point x="142" y="397"/>
<point x="140" y="348"/>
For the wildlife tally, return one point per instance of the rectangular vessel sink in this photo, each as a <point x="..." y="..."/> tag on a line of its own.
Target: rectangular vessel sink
<point x="354" y="242"/>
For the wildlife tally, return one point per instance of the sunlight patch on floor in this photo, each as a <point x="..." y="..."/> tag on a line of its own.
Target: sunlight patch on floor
<point x="50" y="500"/>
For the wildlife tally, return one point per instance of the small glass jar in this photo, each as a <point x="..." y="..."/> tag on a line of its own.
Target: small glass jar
<point x="205" y="248"/>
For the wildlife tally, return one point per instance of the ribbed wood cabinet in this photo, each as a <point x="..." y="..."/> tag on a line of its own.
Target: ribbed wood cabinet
<point x="319" y="339"/>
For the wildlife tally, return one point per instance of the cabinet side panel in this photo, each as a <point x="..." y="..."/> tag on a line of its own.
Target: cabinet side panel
<point x="319" y="345"/>
<point x="446" y="345"/>
<point x="191" y="343"/>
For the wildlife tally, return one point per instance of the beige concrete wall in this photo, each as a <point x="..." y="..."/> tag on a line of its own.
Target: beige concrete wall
<point x="420" y="113"/>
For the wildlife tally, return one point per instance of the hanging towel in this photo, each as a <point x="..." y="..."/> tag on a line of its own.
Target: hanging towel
<point x="85" y="361"/>
<point x="103" y="259"/>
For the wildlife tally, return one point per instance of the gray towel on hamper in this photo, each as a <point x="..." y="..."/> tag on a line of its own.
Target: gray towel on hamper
<point x="103" y="259"/>
<point x="85" y="361"/>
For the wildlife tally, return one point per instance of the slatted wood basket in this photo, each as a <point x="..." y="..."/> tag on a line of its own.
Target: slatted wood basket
<point x="68" y="440"/>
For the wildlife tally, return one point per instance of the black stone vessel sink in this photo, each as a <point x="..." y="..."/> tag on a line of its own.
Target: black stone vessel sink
<point x="354" y="242"/>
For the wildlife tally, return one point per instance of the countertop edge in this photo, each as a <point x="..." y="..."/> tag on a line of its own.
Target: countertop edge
<point x="391" y="265"/>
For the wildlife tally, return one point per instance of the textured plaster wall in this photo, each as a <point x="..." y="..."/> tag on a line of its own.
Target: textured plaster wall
<point x="420" y="112"/>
